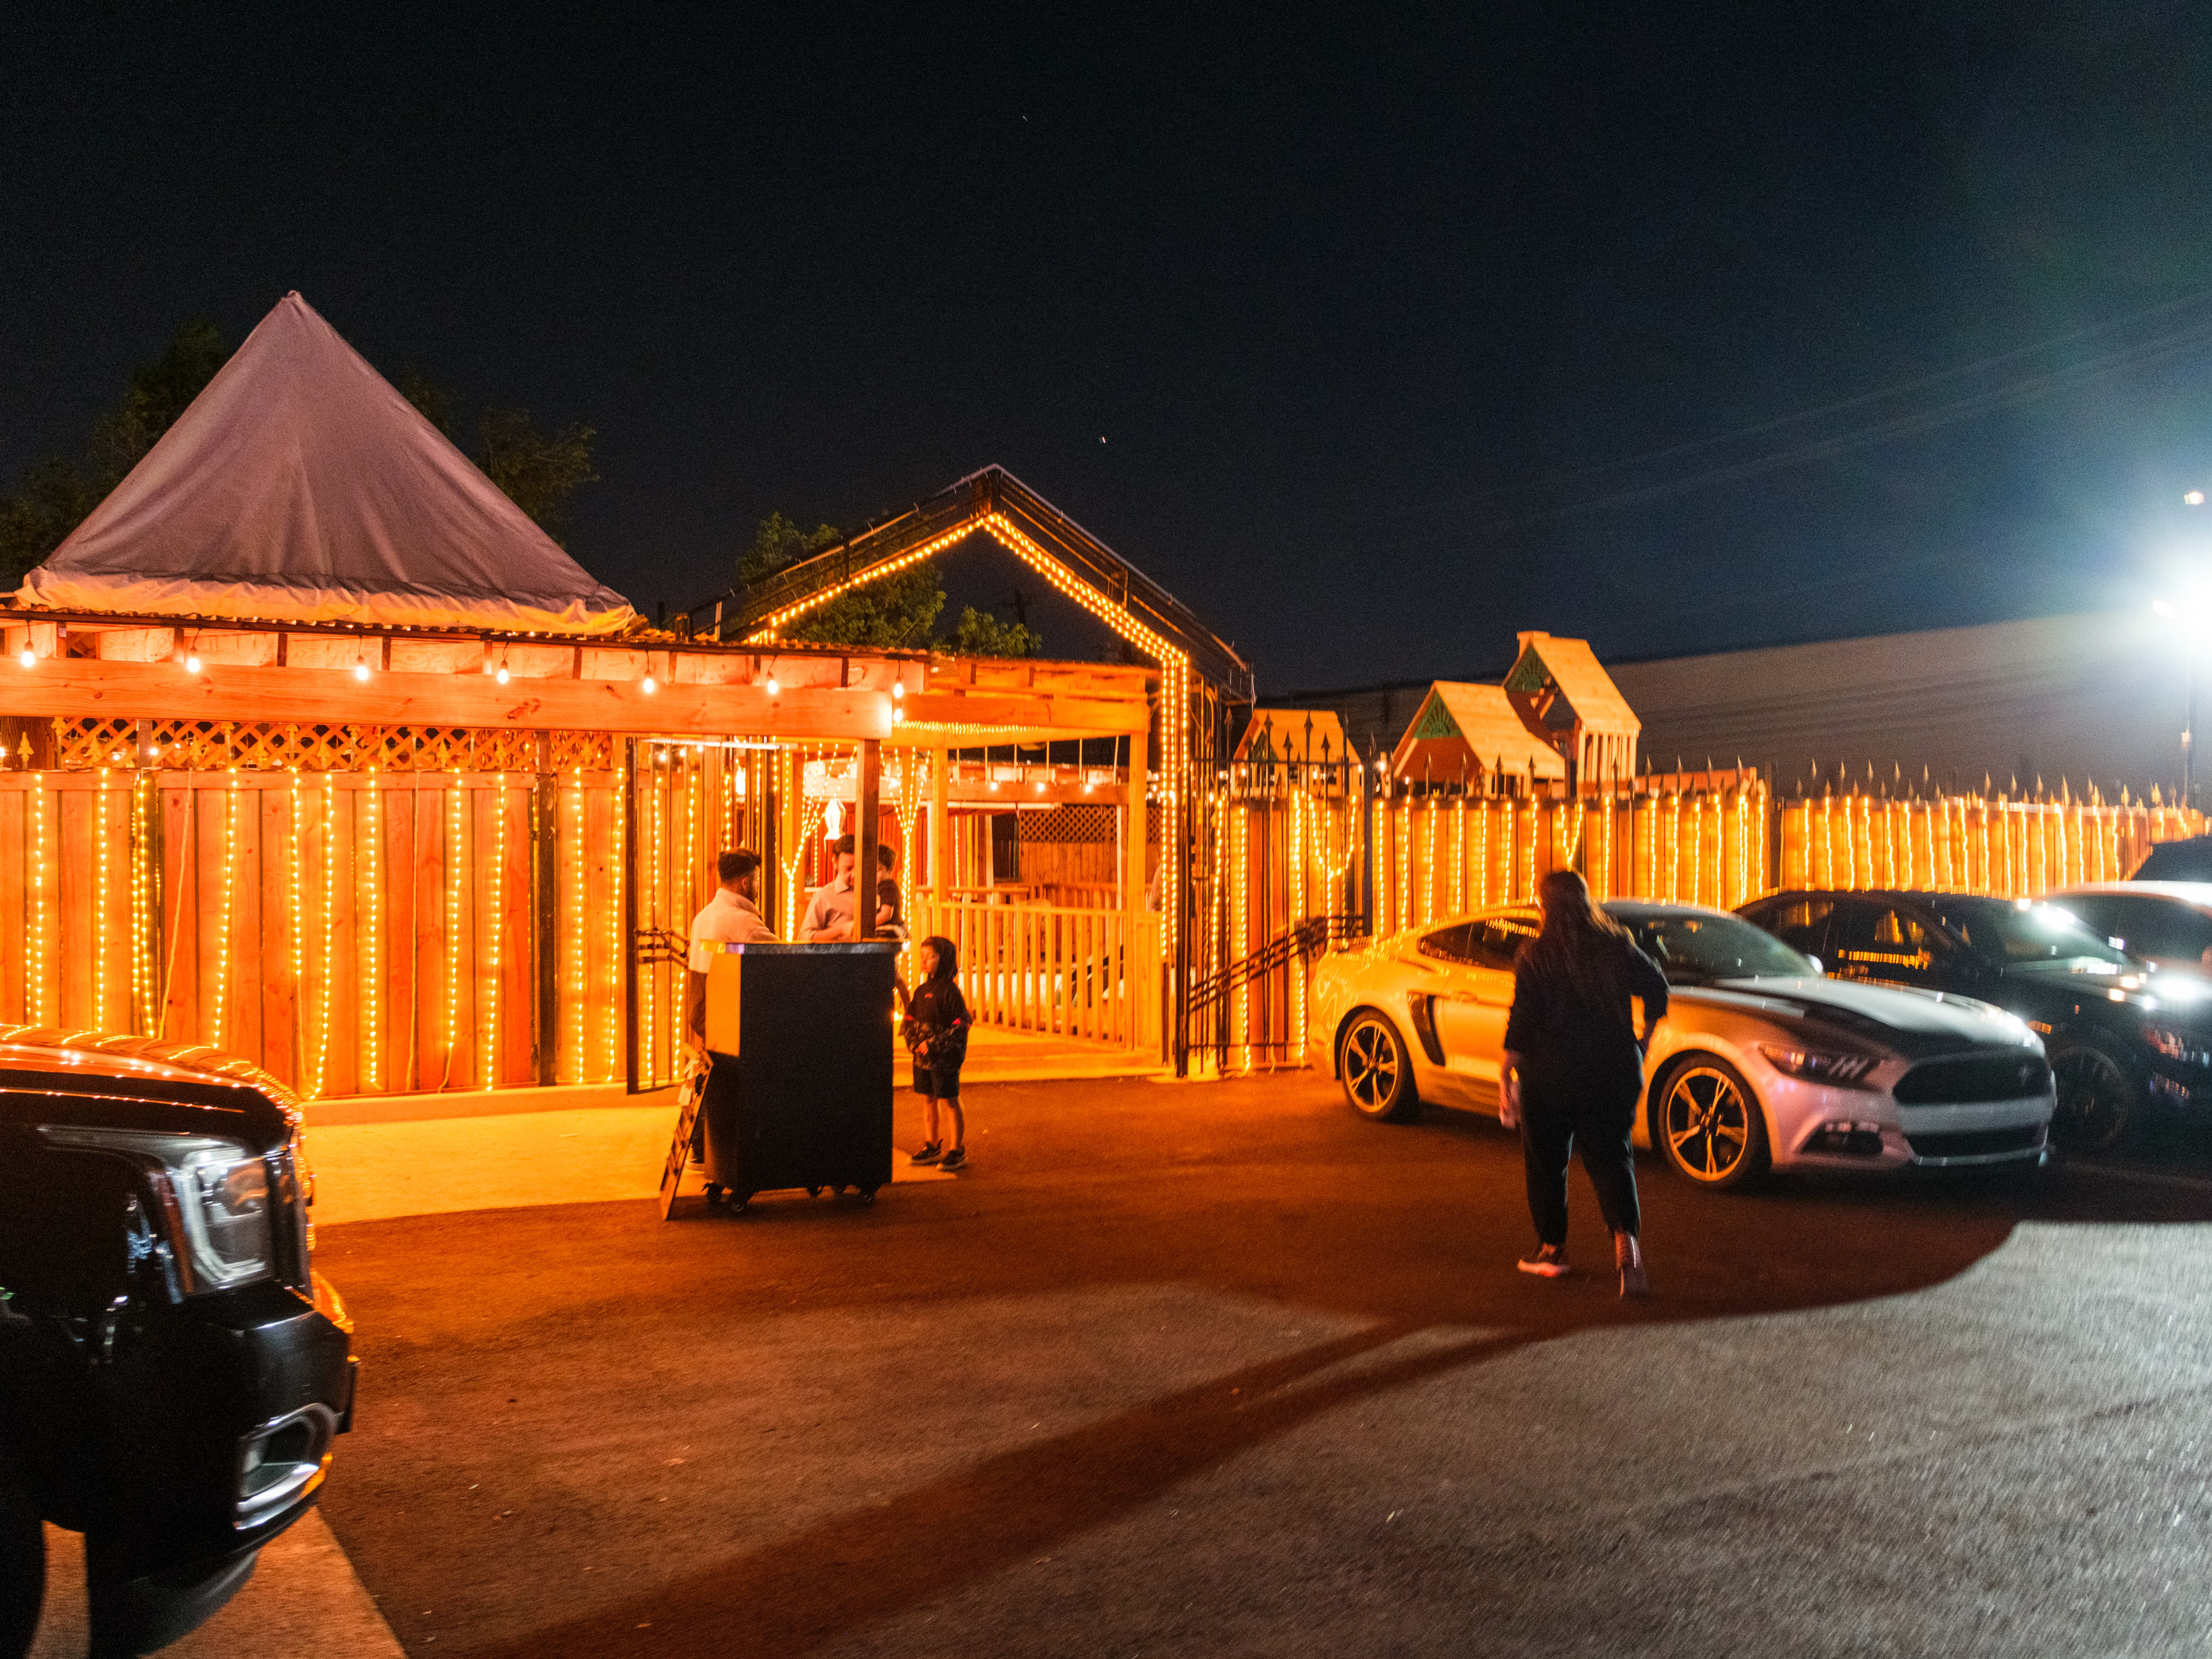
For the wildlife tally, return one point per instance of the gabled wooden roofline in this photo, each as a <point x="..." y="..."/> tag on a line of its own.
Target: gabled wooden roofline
<point x="992" y="502"/>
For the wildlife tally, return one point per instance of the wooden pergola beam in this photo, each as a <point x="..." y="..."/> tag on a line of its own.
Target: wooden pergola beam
<point x="80" y="688"/>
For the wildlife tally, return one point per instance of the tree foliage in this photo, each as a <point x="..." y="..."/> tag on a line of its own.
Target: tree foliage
<point x="979" y="634"/>
<point x="899" y="612"/>
<point x="55" y="494"/>
<point x="539" y="473"/>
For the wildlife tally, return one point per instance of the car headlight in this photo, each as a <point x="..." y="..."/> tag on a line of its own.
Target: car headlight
<point x="1820" y="1065"/>
<point x="219" y="1194"/>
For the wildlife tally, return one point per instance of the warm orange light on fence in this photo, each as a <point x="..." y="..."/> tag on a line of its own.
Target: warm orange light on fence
<point x="100" y="901"/>
<point x="41" y="1012"/>
<point x="330" y="933"/>
<point x="372" y="1001"/>
<point x="489" y="1044"/>
<point x="455" y="840"/>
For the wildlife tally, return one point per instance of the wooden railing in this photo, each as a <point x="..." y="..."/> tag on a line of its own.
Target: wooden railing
<point x="1075" y="973"/>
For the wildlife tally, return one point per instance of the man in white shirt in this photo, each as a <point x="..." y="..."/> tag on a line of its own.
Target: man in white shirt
<point x="830" y="914"/>
<point x="731" y="917"/>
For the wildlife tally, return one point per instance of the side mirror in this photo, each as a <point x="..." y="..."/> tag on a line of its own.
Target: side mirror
<point x="1817" y="968"/>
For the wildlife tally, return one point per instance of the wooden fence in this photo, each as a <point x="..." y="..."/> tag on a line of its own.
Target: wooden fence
<point x="1061" y="972"/>
<point x="1281" y="858"/>
<point x="352" y="932"/>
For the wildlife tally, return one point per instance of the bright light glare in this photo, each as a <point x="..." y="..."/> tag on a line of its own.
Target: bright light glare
<point x="192" y="665"/>
<point x="501" y="677"/>
<point x="650" y="686"/>
<point x="2194" y="498"/>
<point x="773" y="688"/>
<point x="360" y="671"/>
<point x="27" y="657"/>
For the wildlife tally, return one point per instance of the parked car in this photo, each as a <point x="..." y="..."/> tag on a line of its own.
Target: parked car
<point x="172" y="1371"/>
<point x="1761" y="1062"/>
<point x="2167" y="923"/>
<point x="2121" y="1036"/>
<point x="2177" y="861"/>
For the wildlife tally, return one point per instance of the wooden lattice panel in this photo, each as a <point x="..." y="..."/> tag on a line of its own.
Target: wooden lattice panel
<point x="221" y="745"/>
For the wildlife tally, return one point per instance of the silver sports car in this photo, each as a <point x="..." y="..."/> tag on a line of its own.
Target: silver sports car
<point x="1761" y="1061"/>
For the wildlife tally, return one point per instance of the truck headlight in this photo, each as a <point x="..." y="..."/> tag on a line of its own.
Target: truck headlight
<point x="1821" y="1066"/>
<point x="218" y="1194"/>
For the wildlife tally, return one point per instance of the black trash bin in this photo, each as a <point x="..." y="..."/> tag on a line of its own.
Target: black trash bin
<point x="800" y="1090"/>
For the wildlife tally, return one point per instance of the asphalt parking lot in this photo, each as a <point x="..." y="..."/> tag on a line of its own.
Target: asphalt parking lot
<point x="1221" y="1368"/>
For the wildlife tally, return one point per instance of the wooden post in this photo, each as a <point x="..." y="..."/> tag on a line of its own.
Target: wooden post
<point x="1140" y="977"/>
<point x="866" y="792"/>
<point x="941" y="866"/>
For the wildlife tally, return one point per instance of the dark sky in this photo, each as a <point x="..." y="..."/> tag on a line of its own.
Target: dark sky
<point x="1366" y="313"/>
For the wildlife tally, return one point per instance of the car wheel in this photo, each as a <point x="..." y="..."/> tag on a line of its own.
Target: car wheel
<point x="22" y="1564"/>
<point x="1708" y="1124"/>
<point x="1377" y="1069"/>
<point x="2098" y="1099"/>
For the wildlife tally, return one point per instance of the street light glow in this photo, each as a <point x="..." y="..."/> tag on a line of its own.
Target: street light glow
<point x="2194" y="498"/>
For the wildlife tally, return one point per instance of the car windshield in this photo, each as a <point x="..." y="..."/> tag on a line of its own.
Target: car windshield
<point x="1689" y="946"/>
<point x="2012" y="934"/>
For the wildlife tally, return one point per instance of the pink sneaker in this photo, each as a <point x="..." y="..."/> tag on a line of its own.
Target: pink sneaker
<point x="1550" y="1261"/>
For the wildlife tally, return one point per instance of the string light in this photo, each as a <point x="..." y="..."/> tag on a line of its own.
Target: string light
<point x="294" y="927"/>
<point x="617" y="877"/>
<point x="372" y="1002"/>
<point x="490" y="1064"/>
<point x="579" y="943"/>
<point x="100" y="901"/>
<point x="224" y="924"/>
<point x="650" y="999"/>
<point x="330" y="934"/>
<point x="40" y="1009"/>
<point x="455" y="843"/>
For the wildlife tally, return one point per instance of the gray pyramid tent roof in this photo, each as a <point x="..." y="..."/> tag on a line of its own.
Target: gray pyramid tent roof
<point x="300" y="487"/>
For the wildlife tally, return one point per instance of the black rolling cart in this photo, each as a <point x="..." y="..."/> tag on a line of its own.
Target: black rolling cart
<point x="797" y="1092"/>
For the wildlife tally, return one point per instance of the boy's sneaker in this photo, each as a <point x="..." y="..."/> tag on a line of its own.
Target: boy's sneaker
<point x="956" y="1158"/>
<point x="1550" y="1261"/>
<point x="928" y="1154"/>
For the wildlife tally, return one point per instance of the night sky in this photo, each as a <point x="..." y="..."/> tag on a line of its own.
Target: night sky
<point x="1374" y="341"/>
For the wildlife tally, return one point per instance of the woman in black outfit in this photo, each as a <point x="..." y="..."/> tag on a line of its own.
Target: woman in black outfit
<point x="1574" y="1069"/>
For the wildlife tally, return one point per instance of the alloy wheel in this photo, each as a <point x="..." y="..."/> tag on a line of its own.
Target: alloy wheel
<point x="2096" y="1100"/>
<point x="1707" y="1124"/>
<point x="1375" y="1071"/>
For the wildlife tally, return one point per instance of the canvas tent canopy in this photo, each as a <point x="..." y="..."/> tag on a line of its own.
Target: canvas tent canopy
<point x="300" y="487"/>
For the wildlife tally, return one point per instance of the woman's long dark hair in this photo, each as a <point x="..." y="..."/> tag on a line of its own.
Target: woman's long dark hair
<point x="1579" y="941"/>
<point x="948" y="957"/>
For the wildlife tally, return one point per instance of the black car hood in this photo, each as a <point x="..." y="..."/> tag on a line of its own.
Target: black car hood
<point x="1914" y="1023"/>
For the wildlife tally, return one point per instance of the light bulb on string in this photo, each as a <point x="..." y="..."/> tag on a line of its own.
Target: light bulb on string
<point x="193" y="664"/>
<point x="27" y="657"/>
<point x="650" y="686"/>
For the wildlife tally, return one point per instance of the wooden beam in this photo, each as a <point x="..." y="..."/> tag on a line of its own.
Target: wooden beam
<point x="84" y="688"/>
<point x="865" y="810"/>
<point x="1068" y="715"/>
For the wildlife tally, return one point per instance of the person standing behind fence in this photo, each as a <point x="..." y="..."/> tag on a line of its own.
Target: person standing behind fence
<point x="1574" y="1070"/>
<point x="936" y="1029"/>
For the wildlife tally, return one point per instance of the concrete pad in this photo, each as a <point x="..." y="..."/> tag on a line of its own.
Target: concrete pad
<point x="511" y="1160"/>
<point x="304" y="1600"/>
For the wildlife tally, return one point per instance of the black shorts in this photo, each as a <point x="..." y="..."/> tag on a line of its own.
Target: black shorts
<point x="943" y="1083"/>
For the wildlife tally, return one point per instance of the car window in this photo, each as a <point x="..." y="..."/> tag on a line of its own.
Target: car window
<point x="2148" y="926"/>
<point x="1452" y="944"/>
<point x="2007" y="931"/>
<point x="1497" y="940"/>
<point x="1883" y="931"/>
<point x="1690" y="946"/>
<point x="1800" y="924"/>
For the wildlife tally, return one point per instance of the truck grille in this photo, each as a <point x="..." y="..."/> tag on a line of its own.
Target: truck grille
<point x="2011" y="1075"/>
<point x="1978" y="1142"/>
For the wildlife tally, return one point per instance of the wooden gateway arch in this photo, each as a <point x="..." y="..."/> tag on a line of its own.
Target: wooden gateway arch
<point x="1200" y="681"/>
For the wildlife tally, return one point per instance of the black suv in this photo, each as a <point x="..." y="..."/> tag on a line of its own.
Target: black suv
<point x="2121" y="1036"/>
<point x="172" y="1368"/>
